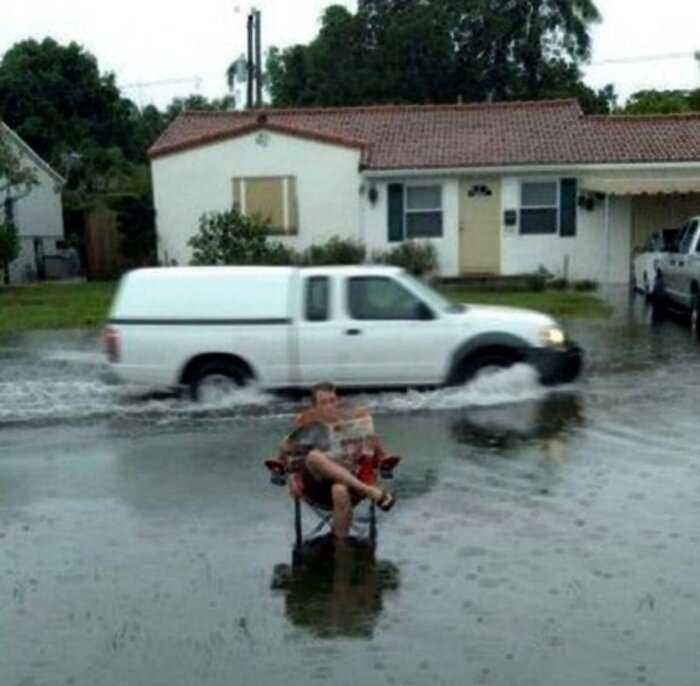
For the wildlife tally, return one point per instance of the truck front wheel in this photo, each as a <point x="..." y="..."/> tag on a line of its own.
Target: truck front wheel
<point x="484" y="364"/>
<point x="695" y="315"/>
<point x="215" y="382"/>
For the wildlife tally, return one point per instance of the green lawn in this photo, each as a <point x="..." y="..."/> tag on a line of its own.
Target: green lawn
<point x="557" y="303"/>
<point x="84" y="305"/>
<point x="54" y="306"/>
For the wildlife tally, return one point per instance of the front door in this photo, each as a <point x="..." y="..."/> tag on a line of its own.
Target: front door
<point x="480" y="225"/>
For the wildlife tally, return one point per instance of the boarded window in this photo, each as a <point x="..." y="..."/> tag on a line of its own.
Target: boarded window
<point x="271" y="198"/>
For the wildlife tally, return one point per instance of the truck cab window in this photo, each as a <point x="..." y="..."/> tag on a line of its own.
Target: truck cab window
<point x="317" y="299"/>
<point x="381" y="298"/>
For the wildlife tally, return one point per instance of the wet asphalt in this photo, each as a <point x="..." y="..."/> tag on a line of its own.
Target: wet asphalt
<point x="540" y="537"/>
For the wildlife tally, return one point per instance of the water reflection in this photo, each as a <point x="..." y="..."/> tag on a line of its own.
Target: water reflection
<point x="335" y="590"/>
<point x="547" y="421"/>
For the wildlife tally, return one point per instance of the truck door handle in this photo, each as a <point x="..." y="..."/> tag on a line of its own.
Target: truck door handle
<point x="353" y="332"/>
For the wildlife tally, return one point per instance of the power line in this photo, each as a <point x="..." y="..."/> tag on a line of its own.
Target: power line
<point x="648" y="58"/>
<point x="197" y="80"/>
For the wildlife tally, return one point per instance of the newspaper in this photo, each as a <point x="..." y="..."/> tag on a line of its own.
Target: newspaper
<point x="351" y="438"/>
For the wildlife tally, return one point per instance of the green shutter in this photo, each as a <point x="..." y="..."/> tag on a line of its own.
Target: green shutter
<point x="395" y="210"/>
<point x="567" y="207"/>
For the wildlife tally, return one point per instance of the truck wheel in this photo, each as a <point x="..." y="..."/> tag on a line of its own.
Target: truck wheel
<point x="657" y="299"/>
<point x="695" y="316"/>
<point x="215" y="382"/>
<point x="484" y="365"/>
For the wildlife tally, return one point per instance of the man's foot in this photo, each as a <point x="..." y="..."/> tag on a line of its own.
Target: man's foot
<point x="387" y="501"/>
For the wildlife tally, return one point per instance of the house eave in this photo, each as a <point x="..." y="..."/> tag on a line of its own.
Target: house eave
<point x="39" y="161"/>
<point x="568" y="168"/>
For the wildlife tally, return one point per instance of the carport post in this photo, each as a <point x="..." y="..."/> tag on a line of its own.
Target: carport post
<point x="606" y="266"/>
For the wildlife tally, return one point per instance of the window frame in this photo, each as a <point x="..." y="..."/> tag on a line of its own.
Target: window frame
<point x="434" y="210"/>
<point x="290" y="201"/>
<point x="557" y="207"/>
<point x="352" y="315"/>
<point x="329" y="297"/>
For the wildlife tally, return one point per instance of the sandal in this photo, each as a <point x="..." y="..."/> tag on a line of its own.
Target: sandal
<point x="387" y="501"/>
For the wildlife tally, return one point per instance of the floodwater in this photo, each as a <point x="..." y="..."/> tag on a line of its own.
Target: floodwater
<point x="544" y="537"/>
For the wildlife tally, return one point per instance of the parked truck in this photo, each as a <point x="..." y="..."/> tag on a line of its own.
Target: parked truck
<point x="212" y="329"/>
<point x="678" y="275"/>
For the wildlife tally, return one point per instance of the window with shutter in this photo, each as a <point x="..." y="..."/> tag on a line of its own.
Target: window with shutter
<point x="539" y="207"/>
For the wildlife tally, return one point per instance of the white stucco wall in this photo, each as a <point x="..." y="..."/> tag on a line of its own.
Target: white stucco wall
<point x="37" y="215"/>
<point x="192" y="182"/>
<point x="375" y="219"/>
<point x="586" y="252"/>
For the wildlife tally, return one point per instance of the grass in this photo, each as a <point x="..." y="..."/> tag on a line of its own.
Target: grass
<point x="50" y="306"/>
<point x="54" y="306"/>
<point x="557" y="303"/>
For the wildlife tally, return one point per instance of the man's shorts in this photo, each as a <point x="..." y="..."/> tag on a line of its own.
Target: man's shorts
<point x="318" y="491"/>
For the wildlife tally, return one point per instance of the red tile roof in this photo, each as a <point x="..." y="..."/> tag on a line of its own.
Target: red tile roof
<point x="443" y="136"/>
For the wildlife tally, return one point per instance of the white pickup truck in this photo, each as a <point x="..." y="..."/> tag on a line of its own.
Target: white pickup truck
<point x="210" y="329"/>
<point x="678" y="275"/>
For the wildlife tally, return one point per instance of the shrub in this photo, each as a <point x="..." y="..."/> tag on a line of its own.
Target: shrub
<point x="232" y="238"/>
<point x="418" y="258"/>
<point x="335" y="251"/>
<point x="558" y="284"/>
<point x="536" y="282"/>
<point x="586" y="285"/>
<point x="279" y="254"/>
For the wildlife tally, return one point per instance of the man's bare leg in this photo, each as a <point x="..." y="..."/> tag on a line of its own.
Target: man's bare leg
<point x="342" y="511"/>
<point x="322" y="467"/>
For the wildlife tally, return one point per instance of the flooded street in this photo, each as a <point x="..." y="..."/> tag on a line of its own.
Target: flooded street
<point x="541" y="536"/>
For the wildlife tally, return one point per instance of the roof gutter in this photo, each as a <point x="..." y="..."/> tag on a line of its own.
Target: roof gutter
<point x="526" y="169"/>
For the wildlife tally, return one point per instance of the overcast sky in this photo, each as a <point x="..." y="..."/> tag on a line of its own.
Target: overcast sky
<point x="192" y="43"/>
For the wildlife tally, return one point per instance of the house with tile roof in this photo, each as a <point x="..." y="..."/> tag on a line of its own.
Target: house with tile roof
<point x="499" y="188"/>
<point x="38" y="215"/>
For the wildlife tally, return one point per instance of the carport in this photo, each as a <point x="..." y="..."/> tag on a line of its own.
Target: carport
<point x="659" y="199"/>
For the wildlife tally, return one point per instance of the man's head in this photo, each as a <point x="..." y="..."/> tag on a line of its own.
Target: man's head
<point x="325" y="401"/>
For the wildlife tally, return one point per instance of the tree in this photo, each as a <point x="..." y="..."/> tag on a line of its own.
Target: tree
<point x="233" y="238"/>
<point x="58" y="102"/>
<point x="440" y="51"/>
<point x="661" y="102"/>
<point x="136" y="223"/>
<point x="16" y="181"/>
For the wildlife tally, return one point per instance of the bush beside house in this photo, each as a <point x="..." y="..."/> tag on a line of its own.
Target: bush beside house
<point x="235" y="239"/>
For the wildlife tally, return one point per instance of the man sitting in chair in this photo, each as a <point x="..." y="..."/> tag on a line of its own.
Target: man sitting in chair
<point x="329" y="471"/>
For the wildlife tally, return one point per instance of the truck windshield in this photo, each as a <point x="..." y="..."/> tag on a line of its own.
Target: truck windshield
<point x="431" y="296"/>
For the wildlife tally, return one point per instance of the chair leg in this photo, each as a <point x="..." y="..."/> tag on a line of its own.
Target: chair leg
<point x="297" y="521"/>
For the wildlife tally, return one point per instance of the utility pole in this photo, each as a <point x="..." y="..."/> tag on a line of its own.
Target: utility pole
<point x="258" y="61"/>
<point x="251" y="66"/>
<point x="255" y="69"/>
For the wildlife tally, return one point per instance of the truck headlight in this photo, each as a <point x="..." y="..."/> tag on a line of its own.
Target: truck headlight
<point x="553" y="337"/>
